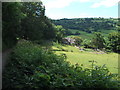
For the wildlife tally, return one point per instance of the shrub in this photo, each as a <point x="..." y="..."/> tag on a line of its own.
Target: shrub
<point x="34" y="68"/>
<point x="78" y="40"/>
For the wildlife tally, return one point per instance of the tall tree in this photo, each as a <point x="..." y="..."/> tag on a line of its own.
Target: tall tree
<point x="32" y="24"/>
<point x="98" y="41"/>
<point x="114" y="41"/>
<point x="36" y="25"/>
<point x="11" y="16"/>
<point x="78" y="40"/>
<point x="60" y="32"/>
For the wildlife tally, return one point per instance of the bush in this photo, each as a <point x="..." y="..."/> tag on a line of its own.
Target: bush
<point x="34" y="68"/>
<point x="78" y="40"/>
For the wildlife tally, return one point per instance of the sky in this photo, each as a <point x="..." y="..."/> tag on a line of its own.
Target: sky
<point x="58" y="9"/>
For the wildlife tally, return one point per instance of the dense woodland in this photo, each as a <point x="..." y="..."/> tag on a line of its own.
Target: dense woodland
<point x="25" y="21"/>
<point x="33" y="65"/>
<point x="88" y="24"/>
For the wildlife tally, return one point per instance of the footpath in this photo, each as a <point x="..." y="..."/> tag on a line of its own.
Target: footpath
<point x="3" y="61"/>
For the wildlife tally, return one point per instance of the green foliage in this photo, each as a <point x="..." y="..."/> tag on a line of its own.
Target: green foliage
<point x="98" y="41"/>
<point x="34" y="68"/>
<point x="88" y="25"/>
<point x="11" y="23"/>
<point x="36" y="25"/>
<point x="83" y="57"/>
<point x="78" y="40"/>
<point x="60" y="32"/>
<point x="25" y="21"/>
<point x="114" y="42"/>
<point x="86" y="43"/>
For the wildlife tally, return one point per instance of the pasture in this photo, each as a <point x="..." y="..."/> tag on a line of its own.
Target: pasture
<point x="85" y="35"/>
<point x="83" y="58"/>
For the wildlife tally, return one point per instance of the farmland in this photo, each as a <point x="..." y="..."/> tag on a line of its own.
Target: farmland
<point x="74" y="55"/>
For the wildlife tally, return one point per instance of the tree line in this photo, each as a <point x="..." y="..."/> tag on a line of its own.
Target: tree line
<point x="25" y="21"/>
<point x="88" y="25"/>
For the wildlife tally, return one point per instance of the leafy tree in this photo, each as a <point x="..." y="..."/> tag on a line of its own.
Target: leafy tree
<point x="36" y="25"/>
<point x="98" y="41"/>
<point x="32" y="25"/>
<point x="114" y="41"/>
<point x="87" y="43"/>
<point x="27" y="21"/>
<point x="11" y="16"/>
<point x="78" y="40"/>
<point x="60" y="32"/>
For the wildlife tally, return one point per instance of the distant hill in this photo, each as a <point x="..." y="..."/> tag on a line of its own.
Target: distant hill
<point x="88" y="25"/>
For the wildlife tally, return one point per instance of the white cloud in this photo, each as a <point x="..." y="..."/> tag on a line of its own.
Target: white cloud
<point x="58" y="3"/>
<point x="85" y="0"/>
<point x="51" y="6"/>
<point x="63" y="3"/>
<point x="106" y="3"/>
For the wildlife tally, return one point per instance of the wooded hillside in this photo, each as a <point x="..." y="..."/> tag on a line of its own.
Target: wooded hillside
<point x="88" y="25"/>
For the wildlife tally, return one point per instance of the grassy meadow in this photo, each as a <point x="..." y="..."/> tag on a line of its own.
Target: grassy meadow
<point x="89" y="36"/>
<point x="83" y="58"/>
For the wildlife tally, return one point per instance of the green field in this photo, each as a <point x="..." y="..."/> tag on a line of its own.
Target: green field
<point x="74" y="55"/>
<point x="89" y="36"/>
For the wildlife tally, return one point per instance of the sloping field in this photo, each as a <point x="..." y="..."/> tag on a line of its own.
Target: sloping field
<point x="74" y="55"/>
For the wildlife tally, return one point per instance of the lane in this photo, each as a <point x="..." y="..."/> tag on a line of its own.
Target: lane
<point x="3" y="61"/>
<point x="5" y="56"/>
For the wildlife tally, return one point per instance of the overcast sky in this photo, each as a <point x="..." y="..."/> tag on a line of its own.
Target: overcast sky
<point x="57" y="9"/>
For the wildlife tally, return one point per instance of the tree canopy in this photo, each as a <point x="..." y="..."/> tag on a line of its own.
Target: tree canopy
<point x="26" y="21"/>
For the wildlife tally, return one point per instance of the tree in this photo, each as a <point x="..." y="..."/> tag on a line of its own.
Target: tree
<point x="114" y="41"/>
<point x="60" y="32"/>
<point x="25" y="21"/>
<point x="87" y="43"/>
<point x="33" y="24"/>
<point x="98" y="41"/>
<point x="78" y="40"/>
<point x="36" y="25"/>
<point x="11" y="16"/>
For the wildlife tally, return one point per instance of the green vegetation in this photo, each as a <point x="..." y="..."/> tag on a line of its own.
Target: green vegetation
<point x="25" y="21"/>
<point x="74" y="55"/>
<point x="85" y="27"/>
<point x="88" y="25"/>
<point x="10" y="24"/>
<point x="83" y="34"/>
<point x="114" y="42"/>
<point x="98" y="41"/>
<point x="32" y="67"/>
<point x="41" y="59"/>
<point x="78" y="40"/>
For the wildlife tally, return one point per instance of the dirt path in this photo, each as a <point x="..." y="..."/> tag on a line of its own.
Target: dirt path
<point x="95" y="52"/>
<point x="3" y="61"/>
<point x="5" y="56"/>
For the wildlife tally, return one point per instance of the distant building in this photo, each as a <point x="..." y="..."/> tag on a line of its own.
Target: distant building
<point x="68" y="41"/>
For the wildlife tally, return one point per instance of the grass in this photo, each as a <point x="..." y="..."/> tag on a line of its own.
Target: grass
<point x="74" y="56"/>
<point x="89" y="36"/>
<point x="83" y="34"/>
